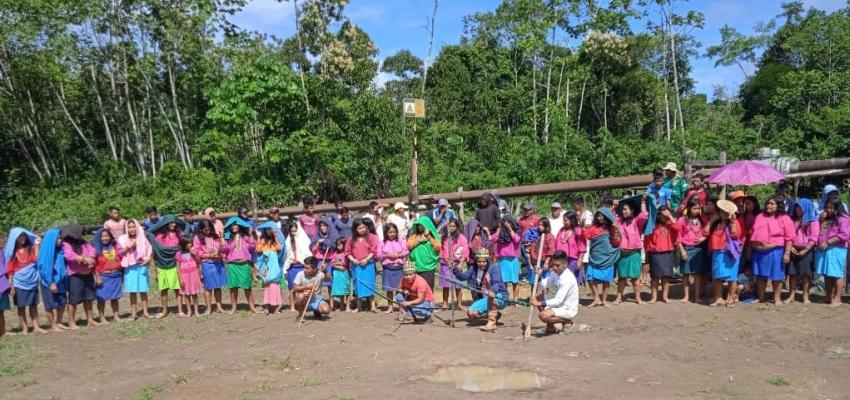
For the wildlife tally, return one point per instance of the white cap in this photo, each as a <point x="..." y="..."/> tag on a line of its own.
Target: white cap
<point x="400" y="205"/>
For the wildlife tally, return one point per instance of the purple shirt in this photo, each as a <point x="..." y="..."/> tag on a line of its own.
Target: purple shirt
<point x="236" y="253"/>
<point x="841" y="230"/>
<point x="631" y="231"/>
<point x="72" y="263"/>
<point x="397" y="246"/>
<point x="510" y="249"/>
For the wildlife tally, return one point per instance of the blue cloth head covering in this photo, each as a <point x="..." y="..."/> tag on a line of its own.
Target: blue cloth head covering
<point x="284" y="247"/>
<point x="826" y="191"/>
<point x="51" y="261"/>
<point x="231" y="221"/>
<point x="13" y="237"/>
<point x="606" y="212"/>
<point x="329" y="240"/>
<point x="808" y="207"/>
<point x="98" y="245"/>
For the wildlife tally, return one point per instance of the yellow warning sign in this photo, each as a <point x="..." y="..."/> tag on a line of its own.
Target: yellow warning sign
<point x="414" y="108"/>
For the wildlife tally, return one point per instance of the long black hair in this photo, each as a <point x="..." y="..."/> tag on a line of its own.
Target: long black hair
<point x="445" y="230"/>
<point x="573" y="218"/>
<point x="387" y="228"/>
<point x="202" y="224"/>
<point x="370" y="225"/>
<point x="356" y="224"/>
<point x="780" y="206"/>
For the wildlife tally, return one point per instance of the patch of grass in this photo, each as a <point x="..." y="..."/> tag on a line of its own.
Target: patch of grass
<point x="136" y="330"/>
<point x="351" y="376"/>
<point x="181" y="378"/>
<point x="779" y="381"/>
<point x="231" y="329"/>
<point x="24" y="383"/>
<point x="279" y="363"/>
<point x="764" y="307"/>
<point x="312" y="382"/>
<point x="14" y="353"/>
<point x="244" y="313"/>
<point x="150" y="391"/>
<point x="344" y="397"/>
<point x="182" y="337"/>
<point x="264" y="386"/>
<point x="203" y="318"/>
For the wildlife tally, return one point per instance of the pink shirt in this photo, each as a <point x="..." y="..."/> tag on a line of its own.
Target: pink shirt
<point x="360" y="248"/>
<point x="208" y="250"/>
<point x="841" y="230"/>
<point x="691" y="231"/>
<point x="571" y="242"/>
<point x="239" y="253"/>
<point x="71" y="259"/>
<point x="772" y="230"/>
<point x="806" y="235"/>
<point x="510" y="249"/>
<point x="458" y="243"/>
<point x="631" y="231"/>
<point x="398" y="246"/>
<point x="116" y="228"/>
<point x="168" y="239"/>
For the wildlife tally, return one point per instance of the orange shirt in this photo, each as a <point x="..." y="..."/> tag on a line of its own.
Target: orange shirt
<point x="717" y="236"/>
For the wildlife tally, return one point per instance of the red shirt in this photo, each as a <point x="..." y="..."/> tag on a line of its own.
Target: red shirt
<point x="594" y="231"/>
<point x="22" y="258"/>
<point x="662" y="238"/>
<point x="531" y="221"/>
<point x="548" y="247"/>
<point x="417" y="286"/>
<point x="717" y="236"/>
<point x="108" y="261"/>
<point x="701" y="197"/>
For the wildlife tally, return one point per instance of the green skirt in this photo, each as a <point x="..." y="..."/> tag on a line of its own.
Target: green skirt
<point x="239" y="275"/>
<point x="628" y="266"/>
<point x="168" y="278"/>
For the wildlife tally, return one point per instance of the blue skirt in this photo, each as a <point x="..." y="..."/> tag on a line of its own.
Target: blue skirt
<point x="364" y="280"/>
<point x="831" y="262"/>
<point x="53" y="301"/>
<point x="110" y="289"/>
<point x="4" y="301"/>
<point x="391" y="277"/>
<point x="600" y="274"/>
<point x="24" y="297"/>
<point x="136" y="279"/>
<point x="215" y="276"/>
<point x="768" y="264"/>
<point x="723" y="266"/>
<point x="510" y="269"/>
<point x="341" y="283"/>
<point x="293" y="270"/>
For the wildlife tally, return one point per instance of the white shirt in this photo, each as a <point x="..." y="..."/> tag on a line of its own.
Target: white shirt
<point x="565" y="290"/>
<point x="586" y="219"/>
<point x="557" y="223"/>
<point x="403" y="224"/>
<point x="301" y="279"/>
<point x="376" y="220"/>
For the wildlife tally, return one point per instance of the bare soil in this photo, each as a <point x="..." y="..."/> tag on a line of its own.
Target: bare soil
<point x="661" y="351"/>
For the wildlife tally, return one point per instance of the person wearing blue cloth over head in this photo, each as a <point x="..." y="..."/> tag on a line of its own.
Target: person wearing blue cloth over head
<point x="22" y="252"/>
<point x="54" y="279"/>
<point x="488" y="290"/>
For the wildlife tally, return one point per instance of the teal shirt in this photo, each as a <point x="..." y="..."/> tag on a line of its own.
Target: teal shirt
<point x="677" y="187"/>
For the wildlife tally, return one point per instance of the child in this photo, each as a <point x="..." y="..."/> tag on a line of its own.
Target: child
<point x="802" y="267"/>
<point x="4" y="296"/>
<point x="167" y="237"/>
<point x="108" y="274"/>
<point x="54" y="279"/>
<point x="306" y="290"/>
<point x="22" y="251"/>
<point x="631" y="224"/>
<point x="659" y="252"/>
<point x="696" y="192"/>
<point x="392" y="252"/>
<point x="490" y="294"/>
<point x="454" y="251"/>
<point x="298" y="245"/>
<point x="724" y="245"/>
<point x="190" y="277"/>
<point x="604" y="251"/>
<point x="323" y="246"/>
<point x="831" y="252"/>
<point x="208" y="244"/>
<point x="361" y="249"/>
<point x="478" y="237"/>
<point x="271" y="254"/>
<point x="79" y="261"/>
<point x="341" y="281"/>
<point x="507" y="241"/>
<point x="239" y="251"/>
<point x="543" y="228"/>
<point x="571" y="241"/>
<point x="136" y="255"/>
<point x="691" y="247"/>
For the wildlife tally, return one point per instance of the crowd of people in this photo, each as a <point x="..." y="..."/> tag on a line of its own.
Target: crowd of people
<point x="675" y="231"/>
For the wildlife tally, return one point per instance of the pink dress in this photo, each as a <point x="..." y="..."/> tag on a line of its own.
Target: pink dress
<point x="190" y="277"/>
<point x="458" y="254"/>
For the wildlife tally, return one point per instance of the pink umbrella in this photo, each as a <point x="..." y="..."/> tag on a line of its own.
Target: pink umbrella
<point x="746" y="173"/>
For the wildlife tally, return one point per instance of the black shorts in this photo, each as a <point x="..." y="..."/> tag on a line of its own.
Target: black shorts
<point x="803" y="267"/>
<point x="80" y="288"/>
<point x="661" y="264"/>
<point x="428" y="276"/>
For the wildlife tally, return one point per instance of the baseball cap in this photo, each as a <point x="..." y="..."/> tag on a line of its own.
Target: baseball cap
<point x="442" y="202"/>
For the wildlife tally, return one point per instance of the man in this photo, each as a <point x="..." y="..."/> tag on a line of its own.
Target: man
<point x="343" y="223"/>
<point x="242" y="212"/>
<point x="186" y="216"/>
<point x="442" y="214"/>
<point x="153" y="217"/>
<point x="488" y="214"/>
<point x="375" y="214"/>
<point x="783" y="194"/>
<point x="585" y="217"/>
<point x="304" y="284"/>
<point x="556" y="217"/>
<point x="337" y="211"/>
<point x="490" y="294"/>
<point x="274" y="216"/>
<point x="309" y="221"/>
<point x="560" y="307"/>
<point x="529" y="218"/>
<point x="115" y="224"/>
<point x="415" y="297"/>
<point x="661" y="194"/>
<point x="400" y="219"/>
<point x="677" y="186"/>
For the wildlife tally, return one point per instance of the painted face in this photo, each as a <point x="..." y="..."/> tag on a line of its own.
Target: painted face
<point x="392" y="233"/>
<point x="105" y="238"/>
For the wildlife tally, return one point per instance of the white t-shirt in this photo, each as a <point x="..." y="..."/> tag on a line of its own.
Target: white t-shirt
<point x="557" y="223"/>
<point x="586" y="219"/>
<point x="562" y="292"/>
<point x="403" y="223"/>
<point x="301" y="279"/>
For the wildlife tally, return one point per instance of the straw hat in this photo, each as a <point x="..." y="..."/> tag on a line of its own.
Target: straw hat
<point x="727" y="206"/>
<point x="409" y="268"/>
<point x="671" y="166"/>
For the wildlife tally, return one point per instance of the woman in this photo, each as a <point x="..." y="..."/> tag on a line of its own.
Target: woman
<point x="692" y="252"/>
<point x="164" y="237"/>
<point x="424" y="245"/>
<point x="108" y="274"/>
<point x="271" y="256"/>
<point x="478" y="237"/>
<point x="361" y="248"/>
<point x="605" y="239"/>
<point x="571" y="241"/>
<point x="208" y="246"/>
<point x="631" y="223"/>
<point x="454" y="251"/>
<point x="724" y="233"/>
<point x="544" y="228"/>
<point x="79" y="261"/>
<point x="54" y="279"/>
<point x="218" y="226"/>
<point x="22" y="252"/>
<point x="831" y="251"/>
<point x="506" y="239"/>
<point x="136" y="253"/>
<point x="802" y="267"/>
<point x="239" y="251"/>
<point x="392" y="252"/>
<point x="771" y="240"/>
<point x="298" y="245"/>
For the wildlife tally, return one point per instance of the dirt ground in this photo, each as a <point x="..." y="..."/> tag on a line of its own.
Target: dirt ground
<point x="662" y="351"/>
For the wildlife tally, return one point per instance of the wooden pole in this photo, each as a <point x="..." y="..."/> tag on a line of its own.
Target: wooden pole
<point x="315" y="287"/>
<point x="537" y="274"/>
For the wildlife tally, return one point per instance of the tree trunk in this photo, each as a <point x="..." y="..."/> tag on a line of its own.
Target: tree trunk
<point x="184" y="146"/>
<point x="303" y="54"/>
<point x="580" y="105"/>
<point x="546" y="105"/>
<point x="430" y="47"/>
<point x="680" y="117"/>
<point x="109" y="140"/>
<point x="61" y="97"/>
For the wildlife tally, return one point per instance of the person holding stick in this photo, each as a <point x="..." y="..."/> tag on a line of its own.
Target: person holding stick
<point x="560" y="307"/>
<point x="306" y="290"/>
<point x="415" y="296"/>
<point x="488" y="290"/>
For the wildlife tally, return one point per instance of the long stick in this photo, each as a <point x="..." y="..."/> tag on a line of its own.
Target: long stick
<point x="527" y="333"/>
<point x="451" y="268"/>
<point x="315" y="287"/>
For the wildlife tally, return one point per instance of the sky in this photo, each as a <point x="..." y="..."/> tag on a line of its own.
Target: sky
<point x="400" y="24"/>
